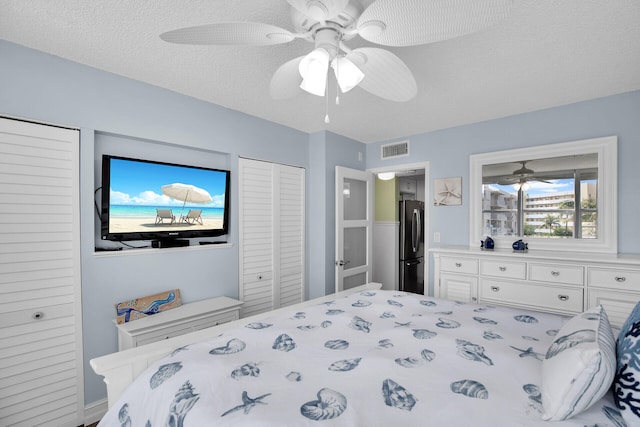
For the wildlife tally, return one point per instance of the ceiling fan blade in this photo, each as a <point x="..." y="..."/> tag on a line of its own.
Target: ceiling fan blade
<point x="385" y="75"/>
<point x="230" y="33"/>
<point x="320" y="10"/>
<point x="414" y="22"/>
<point x="285" y="82"/>
<point x="500" y="179"/>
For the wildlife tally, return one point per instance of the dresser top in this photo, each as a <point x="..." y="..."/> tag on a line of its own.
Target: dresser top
<point x="587" y="257"/>
<point x="217" y="304"/>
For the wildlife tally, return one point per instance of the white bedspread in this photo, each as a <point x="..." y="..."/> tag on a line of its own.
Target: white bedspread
<point x="377" y="358"/>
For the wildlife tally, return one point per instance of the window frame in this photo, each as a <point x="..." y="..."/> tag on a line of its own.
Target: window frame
<point x="607" y="184"/>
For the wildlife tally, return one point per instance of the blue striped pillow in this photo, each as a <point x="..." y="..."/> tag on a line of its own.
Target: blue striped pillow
<point x="626" y="392"/>
<point x="579" y="366"/>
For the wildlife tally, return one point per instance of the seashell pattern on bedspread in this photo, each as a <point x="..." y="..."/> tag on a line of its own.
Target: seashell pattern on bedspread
<point x="366" y="359"/>
<point x="470" y="388"/>
<point x="164" y="372"/>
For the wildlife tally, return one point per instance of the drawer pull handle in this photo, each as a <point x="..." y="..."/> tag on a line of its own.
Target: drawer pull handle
<point x="37" y="315"/>
<point x="458" y="264"/>
<point x="555" y="273"/>
<point x="474" y="299"/>
<point x="620" y="279"/>
<point x="563" y="297"/>
<point x="495" y="288"/>
<point x="503" y="268"/>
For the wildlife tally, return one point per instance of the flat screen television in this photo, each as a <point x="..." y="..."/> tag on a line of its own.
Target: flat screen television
<point x="162" y="202"/>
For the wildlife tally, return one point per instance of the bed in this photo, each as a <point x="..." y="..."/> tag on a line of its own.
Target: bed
<point x="364" y="357"/>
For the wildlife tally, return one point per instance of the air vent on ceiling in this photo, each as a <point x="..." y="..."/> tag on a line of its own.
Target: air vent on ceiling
<point x="395" y="149"/>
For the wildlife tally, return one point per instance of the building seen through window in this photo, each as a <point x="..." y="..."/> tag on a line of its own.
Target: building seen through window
<point x="557" y="206"/>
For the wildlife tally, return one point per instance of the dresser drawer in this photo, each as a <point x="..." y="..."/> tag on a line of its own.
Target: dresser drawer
<point x="458" y="287"/>
<point x="618" y="305"/>
<point x="613" y="278"/>
<point x="459" y="265"/>
<point x="178" y="321"/>
<point x="506" y="269"/>
<point x="185" y="328"/>
<point x="161" y="335"/>
<point x="558" y="273"/>
<point x="553" y="298"/>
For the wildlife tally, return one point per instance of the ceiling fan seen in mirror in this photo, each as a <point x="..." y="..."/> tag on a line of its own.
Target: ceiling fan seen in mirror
<point x="520" y="176"/>
<point x="329" y="24"/>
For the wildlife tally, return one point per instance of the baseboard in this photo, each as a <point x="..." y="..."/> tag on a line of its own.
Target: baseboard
<point x="94" y="411"/>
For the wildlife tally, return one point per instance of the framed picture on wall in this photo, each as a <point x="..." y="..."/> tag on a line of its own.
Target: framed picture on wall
<point x="447" y="191"/>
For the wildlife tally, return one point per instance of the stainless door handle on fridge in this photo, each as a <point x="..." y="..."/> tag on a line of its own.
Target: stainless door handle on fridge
<point x="415" y="230"/>
<point x="418" y="216"/>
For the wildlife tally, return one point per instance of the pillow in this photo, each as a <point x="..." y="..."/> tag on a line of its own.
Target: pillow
<point x="626" y="392"/>
<point x="579" y="366"/>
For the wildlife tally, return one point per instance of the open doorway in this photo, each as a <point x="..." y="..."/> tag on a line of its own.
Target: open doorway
<point x="409" y="182"/>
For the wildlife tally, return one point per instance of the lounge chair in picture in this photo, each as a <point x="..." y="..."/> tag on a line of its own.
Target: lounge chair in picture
<point x="164" y="214"/>
<point x="193" y="216"/>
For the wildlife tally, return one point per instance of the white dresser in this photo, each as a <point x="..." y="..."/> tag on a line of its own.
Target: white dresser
<point x="178" y="321"/>
<point x="558" y="282"/>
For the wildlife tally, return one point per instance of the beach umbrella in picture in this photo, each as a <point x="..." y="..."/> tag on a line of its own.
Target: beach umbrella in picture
<point x="186" y="193"/>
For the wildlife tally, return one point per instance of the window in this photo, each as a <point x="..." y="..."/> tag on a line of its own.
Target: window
<point x="542" y="203"/>
<point x="555" y="197"/>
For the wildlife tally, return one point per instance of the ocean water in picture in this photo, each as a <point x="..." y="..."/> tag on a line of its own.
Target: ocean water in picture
<point x="131" y="212"/>
<point x="143" y="218"/>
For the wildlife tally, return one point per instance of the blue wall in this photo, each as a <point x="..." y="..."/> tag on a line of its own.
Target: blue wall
<point x="130" y="118"/>
<point x="327" y="150"/>
<point x="448" y="152"/>
<point x="113" y="111"/>
<point x="126" y="117"/>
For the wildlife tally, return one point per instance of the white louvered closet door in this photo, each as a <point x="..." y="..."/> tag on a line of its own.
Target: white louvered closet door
<point x="41" y="367"/>
<point x="272" y="235"/>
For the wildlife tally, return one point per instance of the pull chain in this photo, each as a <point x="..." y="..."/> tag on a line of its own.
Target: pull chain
<point x="337" y="86"/>
<point x="326" y="101"/>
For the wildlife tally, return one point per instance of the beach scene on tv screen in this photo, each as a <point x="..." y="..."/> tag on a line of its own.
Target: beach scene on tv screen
<point x="147" y="197"/>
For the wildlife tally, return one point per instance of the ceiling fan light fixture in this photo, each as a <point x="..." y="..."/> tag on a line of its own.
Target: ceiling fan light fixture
<point x="524" y="186"/>
<point x="347" y="73"/>
<point x="313" y="69"/>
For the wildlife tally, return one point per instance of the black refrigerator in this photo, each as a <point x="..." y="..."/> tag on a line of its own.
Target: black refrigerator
<point x="412" y="246"/>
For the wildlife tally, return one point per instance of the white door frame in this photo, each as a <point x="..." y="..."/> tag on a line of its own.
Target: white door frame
<point x="341" y="224"/>
<point x="427" y="202"/>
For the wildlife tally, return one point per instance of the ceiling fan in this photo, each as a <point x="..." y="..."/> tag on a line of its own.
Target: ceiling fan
<point x="521" y="175"/>
<point x="328" y="24"/>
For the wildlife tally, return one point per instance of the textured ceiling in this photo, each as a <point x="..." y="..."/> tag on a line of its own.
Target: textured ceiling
<point x="547" y="53"/>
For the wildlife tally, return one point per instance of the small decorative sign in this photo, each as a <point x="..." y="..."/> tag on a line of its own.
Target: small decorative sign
<point x="128" y="311"/>
<point x="447" y="191"/>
